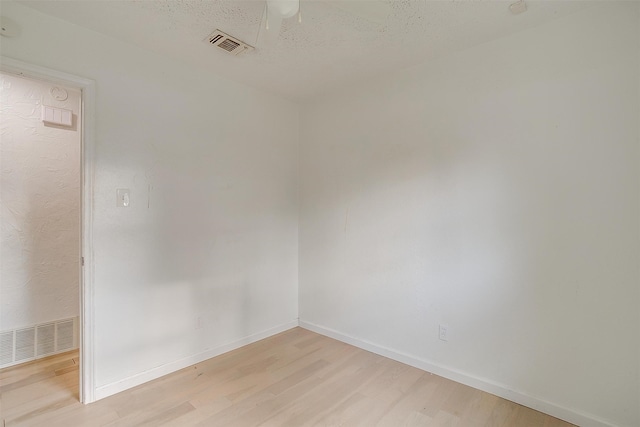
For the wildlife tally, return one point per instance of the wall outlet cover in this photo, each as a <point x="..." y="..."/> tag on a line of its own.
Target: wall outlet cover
<point x="443" y="332"/>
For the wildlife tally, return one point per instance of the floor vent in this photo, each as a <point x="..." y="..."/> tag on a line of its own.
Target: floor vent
<point x="26" y="344"/>
<point x="227" y="43"/>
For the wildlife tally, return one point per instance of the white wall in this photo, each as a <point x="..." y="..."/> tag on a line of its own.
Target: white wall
<point x="40" y="206"/>
<point x="497" y="191"/>
<point x="212" y="227"/>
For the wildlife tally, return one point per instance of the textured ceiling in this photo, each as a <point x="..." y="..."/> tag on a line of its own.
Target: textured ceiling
<point x="338" y="42"/>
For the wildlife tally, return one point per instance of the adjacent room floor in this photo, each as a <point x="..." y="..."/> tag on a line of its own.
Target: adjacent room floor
<point x="296" y="378"/>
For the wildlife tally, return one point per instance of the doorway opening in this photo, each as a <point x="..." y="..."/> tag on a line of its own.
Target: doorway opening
<point x="47" y="147"/>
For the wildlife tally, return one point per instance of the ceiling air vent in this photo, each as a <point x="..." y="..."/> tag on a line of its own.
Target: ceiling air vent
<point x="228" y="43"/>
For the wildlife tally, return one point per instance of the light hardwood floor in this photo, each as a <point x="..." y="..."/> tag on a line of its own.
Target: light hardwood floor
<point x="296" y="378"/>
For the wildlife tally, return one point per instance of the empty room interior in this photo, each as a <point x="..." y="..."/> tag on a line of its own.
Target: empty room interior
<point x="318" y="212"/>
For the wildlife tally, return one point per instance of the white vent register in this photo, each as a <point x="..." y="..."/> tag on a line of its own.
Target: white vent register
<point x="34" y="342"/>
<point x="227" y="43"/>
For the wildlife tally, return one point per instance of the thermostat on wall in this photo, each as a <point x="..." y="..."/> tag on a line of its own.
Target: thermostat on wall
<point x="57" y="116"/>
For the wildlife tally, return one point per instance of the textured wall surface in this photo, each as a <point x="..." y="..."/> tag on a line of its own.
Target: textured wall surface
<point x="496" y="191"/>
<point x="40" y="205"/>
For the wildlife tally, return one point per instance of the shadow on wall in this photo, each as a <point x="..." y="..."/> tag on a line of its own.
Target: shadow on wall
<point x="203" y="247"/>
<point x="495" y="212"/>
<point x="204" y="237"/>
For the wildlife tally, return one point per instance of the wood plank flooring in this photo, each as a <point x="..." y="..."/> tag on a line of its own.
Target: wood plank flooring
<point x="296" y="378"/>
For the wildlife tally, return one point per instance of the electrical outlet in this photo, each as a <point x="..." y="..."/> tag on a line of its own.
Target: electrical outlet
<point x="443" y="332"/>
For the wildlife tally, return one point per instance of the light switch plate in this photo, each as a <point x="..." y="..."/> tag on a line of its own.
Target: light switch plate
<point x="123" y="197"/>
<point x="57" y="116"/>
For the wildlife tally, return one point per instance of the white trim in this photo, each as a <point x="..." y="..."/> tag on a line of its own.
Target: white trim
<point x="501" y="390"/>
<point x="88" y="88"/>
<point x="159" y="371"/>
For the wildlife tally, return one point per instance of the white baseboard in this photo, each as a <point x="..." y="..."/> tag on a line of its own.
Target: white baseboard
<point x="143" y="377"/>
<point x="501" y="390"/>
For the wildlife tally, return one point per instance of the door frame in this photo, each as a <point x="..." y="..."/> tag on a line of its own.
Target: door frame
<point x="86" y="264"/>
